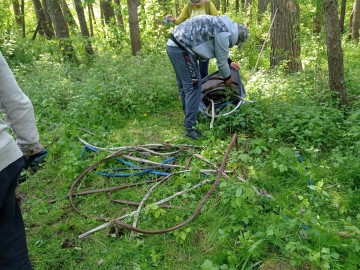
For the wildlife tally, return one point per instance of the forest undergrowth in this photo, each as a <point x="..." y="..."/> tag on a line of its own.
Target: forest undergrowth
<point x="291" y="199"/>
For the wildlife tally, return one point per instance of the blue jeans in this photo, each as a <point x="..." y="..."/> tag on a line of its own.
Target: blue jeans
<point x="188" y="81"/>
<point x="204" y="68"/>
<point x="13" y="248"/>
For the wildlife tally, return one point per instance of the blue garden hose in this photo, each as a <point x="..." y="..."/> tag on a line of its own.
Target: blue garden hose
<point x="131" y="165"/>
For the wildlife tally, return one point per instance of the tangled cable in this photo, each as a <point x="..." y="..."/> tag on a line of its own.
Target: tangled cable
<point x="152" y="166"/>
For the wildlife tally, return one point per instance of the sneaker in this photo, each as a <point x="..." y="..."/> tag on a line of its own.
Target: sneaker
<point x="193" y="133"/>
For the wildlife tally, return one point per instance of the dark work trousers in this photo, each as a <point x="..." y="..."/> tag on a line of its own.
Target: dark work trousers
<point x="204" y="68"/>
<point x="189" y="83"/>
<point x="13" y="248"/>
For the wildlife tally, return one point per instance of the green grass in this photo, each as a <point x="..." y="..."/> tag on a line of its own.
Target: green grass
<point x="119" y="100"/>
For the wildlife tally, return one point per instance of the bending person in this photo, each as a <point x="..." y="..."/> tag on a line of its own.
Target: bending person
<point x="202" y="37"/>
<point x="190" y="10"/>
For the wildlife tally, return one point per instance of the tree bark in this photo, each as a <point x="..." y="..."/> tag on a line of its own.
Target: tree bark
<point x="17" y="12"/>
<point x="134" y="25"/>
<point x="223" y="6"/>
<point x="119" y="17"/>
<point x="22" y="8"/>
<point x="262" y="7"/>
<point x="18" y="9"/>
<point x="177" y="8"/>
<point x="342" y="15"/>
<point x="356" y="21"/>
<point x="237" y="6"/>
<point x="47" y="15"/>
<point x="83" y="26"/>
<point x="61" y="30"/>
<point x="90" y="19"/>
<point x="69" y="18"/>
<point x="46" y="27"/>
<point x="285" y="34"/>
<point x="318" y="19"/>
<point x="334" y="50"/>
<point x="217" y="4"/>
<point x="247" y="7"/>
<point x="107" y="11"/>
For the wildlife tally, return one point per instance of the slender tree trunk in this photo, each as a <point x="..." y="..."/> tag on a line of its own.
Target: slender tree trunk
<point x="23" y="17"/>
<point x="107" y="11"/>
<point x="17" y="12"/>
<point x="285" y="34"/>
<point x="69" y="18"/>
<point x="223" y="6"/>
<point x="217" y="4"/>
<point x="47" y="15"/>
<point x="237" y="6"/>
<point x="92" y="13"/>
<point x="334" y="50"/>
<point x="18" y="9"/>
<point x="318" y="19"/>
<point x="342" y="15"/>
<point x="90" y="20"/>
<point x="119" y="17"/>
<point x="262" y="7"/>
<point x="83" y="27"/>
<point x="61" y="30"/>
<point x="45" y="25"/>
<point x="177" y="9"/>
<point x="248" y="7"/>
<point x="351" y="23"/>
<point x="356" y="21"/>
<point x="134" y="25"/>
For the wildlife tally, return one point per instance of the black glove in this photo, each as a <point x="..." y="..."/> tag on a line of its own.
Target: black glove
<point x="34" y="162"/>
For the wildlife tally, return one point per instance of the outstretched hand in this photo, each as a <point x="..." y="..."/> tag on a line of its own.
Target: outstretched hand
<point x="170" y="18"/>
<point x="235" y="65"/>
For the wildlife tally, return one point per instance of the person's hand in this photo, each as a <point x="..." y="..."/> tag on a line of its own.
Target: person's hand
<point x="170" y="18"/>
<point x="235" y="65"/>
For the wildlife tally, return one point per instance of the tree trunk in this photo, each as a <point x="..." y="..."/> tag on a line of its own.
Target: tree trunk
<point x="262" y="6"/>
<point x="351" y="23"/>
<point x="248" y="7"/>
<point x="61" y="30"/>
<point x="285" y="34"/>
<point x="318" y="19"/>
<point x="23" y="17"/>
<point x="177" y="8"/>
<point x="334" y="50"/>
<point x="18" y="9"/>
<point x="69" y="18"/>
<point x="90" y="19"/>
<point x="83" y="27"/>
<point x="134" y="25"/>
<point x="17" y="12"/>
<point x="217" y="4"/>
<point x="47" y="15"/>
<point x="342" y="15"/>
<point x="356" y="21"/>
<point x="107" y="11"/>
<point x="46" y="27"/>
<point x="237" y="6"/>
<point x="224" y="8"/>
<point x="119" y="17"/>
